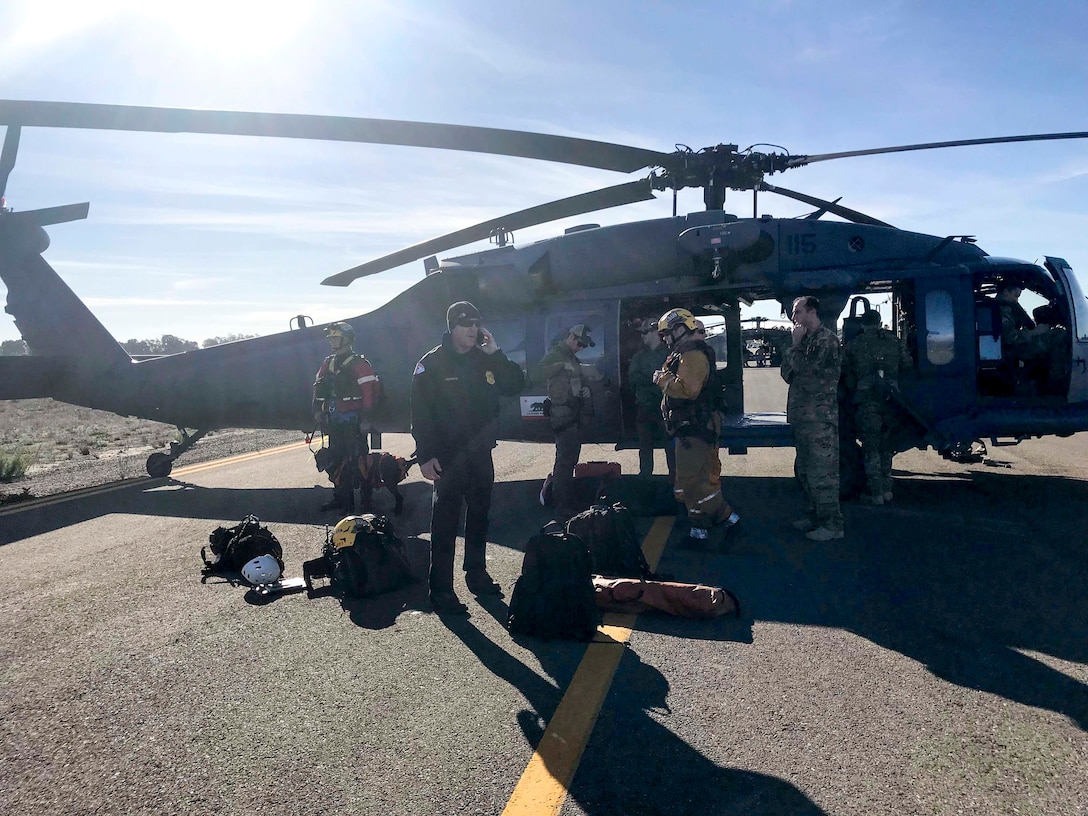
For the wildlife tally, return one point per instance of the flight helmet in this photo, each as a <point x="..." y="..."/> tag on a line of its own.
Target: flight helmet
<point x="340" y="330"/>
<point x="264" y="569"/>
<point x="674" y="318"/>
<point x="344" y="533"/>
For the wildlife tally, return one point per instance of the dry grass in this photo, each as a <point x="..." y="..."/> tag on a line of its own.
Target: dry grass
<point x="65" y="447"/>
<point x="46" y="432"/>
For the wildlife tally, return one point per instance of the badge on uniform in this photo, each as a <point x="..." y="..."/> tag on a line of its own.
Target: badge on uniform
<point x="490" y="378"/>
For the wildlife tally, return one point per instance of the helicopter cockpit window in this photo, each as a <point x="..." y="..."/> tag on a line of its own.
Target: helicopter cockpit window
<point x="510" y="335"/>
<point x="559" y="324"/>
<point x="940" y="328"/>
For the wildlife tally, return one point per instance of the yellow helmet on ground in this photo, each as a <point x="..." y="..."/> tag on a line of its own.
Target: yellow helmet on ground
<point x="344" y="533"/>
<point x="675" y="318"/>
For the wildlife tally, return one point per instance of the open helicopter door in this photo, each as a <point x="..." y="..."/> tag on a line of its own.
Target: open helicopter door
<point x="941" y="328"/>
<point x="1078" y="327"/>
<point x="599" y="374"/>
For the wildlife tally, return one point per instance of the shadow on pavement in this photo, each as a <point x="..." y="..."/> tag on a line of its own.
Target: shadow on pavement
<point x="963" y="573"/>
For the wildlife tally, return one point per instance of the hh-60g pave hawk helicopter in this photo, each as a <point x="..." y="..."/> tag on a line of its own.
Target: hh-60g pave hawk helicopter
<point x="941" y="290"/>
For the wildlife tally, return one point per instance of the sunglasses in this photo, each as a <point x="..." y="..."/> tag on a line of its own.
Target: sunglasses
<point x="581" y="343"/>
<point x="466" y="323"/>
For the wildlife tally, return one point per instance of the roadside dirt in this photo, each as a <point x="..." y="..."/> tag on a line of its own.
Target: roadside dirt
<point x="70" y="447"/>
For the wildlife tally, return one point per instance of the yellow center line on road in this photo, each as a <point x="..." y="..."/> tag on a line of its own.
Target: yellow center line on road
<point x="98" y="490"/>
<point x="542" y="788"/>
<point x="242" y="457"/>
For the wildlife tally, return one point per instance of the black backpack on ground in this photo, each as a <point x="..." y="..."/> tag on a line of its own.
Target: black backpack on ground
<point x="375" y="564"/>
<point x="553" y="598"/>
<point x="642" y="495"/>
<point x="608" y="531"/>
<point x="234" y="547"/>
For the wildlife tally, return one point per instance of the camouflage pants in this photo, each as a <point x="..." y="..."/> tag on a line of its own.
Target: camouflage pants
<point x="874" y="430"/>
<point x="698" y="483"/>
<point x="1046" y="357"/>
<point x="568" y="448"/>
<point x="817" y="466"/>
<point x="651" y="431"/>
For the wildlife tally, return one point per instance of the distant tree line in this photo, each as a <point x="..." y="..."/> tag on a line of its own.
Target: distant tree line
<point x="13" y="348"/>
<point x="167" y="344"/>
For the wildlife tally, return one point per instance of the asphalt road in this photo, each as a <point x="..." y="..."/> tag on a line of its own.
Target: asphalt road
<point x="933" y="662"/>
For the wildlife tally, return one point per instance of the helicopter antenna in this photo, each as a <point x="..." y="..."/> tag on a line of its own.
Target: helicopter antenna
<point x="501" y="236"/>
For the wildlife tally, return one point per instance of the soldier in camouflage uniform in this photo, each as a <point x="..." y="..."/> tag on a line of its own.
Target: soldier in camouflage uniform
<point x="871" y="367"/>
<point x="1042" y="351"/>
<point x="648" y="421"/>
<point x="811" y="366"/>
<point x="570" y="408"/>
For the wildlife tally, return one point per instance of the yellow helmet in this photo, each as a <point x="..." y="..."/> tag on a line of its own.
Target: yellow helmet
<point x="674" y="318"/>
<point x="344" y="533"/>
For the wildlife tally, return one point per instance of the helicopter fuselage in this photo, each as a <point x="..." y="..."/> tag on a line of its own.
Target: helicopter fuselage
<point x="609" y="278"/>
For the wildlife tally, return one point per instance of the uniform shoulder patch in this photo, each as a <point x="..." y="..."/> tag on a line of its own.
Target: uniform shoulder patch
<point x="419" y="369"/>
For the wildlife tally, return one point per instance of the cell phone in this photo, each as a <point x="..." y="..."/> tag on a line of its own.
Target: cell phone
<point x="481" y="338"/>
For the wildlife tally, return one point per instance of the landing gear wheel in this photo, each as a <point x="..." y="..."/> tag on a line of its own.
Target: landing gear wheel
<point x="159" y="465"/>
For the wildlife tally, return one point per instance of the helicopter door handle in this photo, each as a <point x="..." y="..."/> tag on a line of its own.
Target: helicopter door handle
<point x="1083" y="364"/>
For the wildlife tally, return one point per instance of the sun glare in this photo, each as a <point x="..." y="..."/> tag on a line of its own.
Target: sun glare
<point x="228" y="28"/>
<point x="231" y="28"/>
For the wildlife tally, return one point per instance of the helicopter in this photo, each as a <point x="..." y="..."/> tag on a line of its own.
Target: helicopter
<point x="941" y="291"/>
<point x="758" y="350"/>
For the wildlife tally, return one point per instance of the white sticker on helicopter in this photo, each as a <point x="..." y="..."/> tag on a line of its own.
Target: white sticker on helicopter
<point x="532" y="407"/>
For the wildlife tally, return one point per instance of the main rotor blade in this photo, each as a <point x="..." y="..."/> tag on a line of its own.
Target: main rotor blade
<point x="830" y="206"/>
<point x="7" y="156"/>
<point x="543" y="146"/>
<point x="616" y="196"/>
<point x="800" y="161"/>
<point x="49" y="215"/>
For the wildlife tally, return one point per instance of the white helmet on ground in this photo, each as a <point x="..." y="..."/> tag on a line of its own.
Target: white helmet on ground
<point x="264" y="569"/>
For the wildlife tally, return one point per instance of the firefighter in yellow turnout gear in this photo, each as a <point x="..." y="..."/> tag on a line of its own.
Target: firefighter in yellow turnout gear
<point x="689" y="405"/>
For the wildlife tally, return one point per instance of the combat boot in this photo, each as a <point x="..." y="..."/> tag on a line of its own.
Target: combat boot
<point x="824" y="534"/>
<point x="698" y="539"/>
<point x="447" y="603"/>
<point x="480" y="583"/>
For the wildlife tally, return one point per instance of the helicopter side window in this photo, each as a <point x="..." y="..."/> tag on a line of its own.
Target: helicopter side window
<point x="940" y="328"/>
<point x="510" y="335"/>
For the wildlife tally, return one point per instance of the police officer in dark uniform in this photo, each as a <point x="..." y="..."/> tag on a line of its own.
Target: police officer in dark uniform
<point x="455" y="407"/>
<point x="345" y="390"/>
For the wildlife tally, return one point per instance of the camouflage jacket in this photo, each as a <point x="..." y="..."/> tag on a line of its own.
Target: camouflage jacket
<point x="812" y="368"/>
<point x="563" y="373"/>
<point x="872" y="363"/>
<point x="1014" y="323"/>
<point x="640" y="376"/>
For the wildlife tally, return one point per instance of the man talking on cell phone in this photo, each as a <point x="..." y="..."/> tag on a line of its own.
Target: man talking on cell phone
<point x="455" y="408"/>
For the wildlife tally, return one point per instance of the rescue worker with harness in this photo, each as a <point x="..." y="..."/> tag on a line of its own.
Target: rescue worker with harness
<point x="345" y="391"/>
<point x="690" y="406"/>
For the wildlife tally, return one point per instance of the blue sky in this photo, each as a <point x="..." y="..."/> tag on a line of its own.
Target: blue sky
<point x="200" y="236"/>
